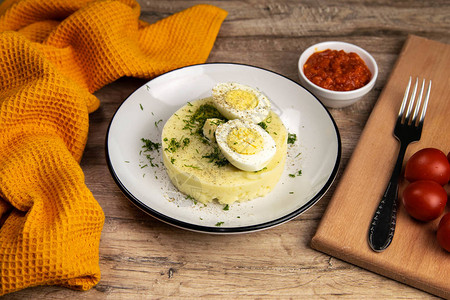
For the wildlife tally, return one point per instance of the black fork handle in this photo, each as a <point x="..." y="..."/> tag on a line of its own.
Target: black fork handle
<point x="382" y="227"/>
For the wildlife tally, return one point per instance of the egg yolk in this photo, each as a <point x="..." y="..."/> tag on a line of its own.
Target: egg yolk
<point x="245" y="140"/>
<point x="241" y="100"/>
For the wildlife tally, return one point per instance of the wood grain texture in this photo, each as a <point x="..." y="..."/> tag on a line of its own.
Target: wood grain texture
<point x="414" y="256"/>
<point x="142" y="258"/>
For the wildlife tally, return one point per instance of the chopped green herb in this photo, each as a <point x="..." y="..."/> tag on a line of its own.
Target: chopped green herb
<point x="197" y="120"/>
<point x="127" y="161"/>
<point x="172" y="160"/>
<point x="148" y="88"/>
<point x="149" y="145"/>
<point x="188" y="125"/>
<point x="216" y="157"/>
<point x="157" y="122"/>
<point x="226" y="207"/>
<point x="189" y="197"/>
<point x="299" y="173"/>
<point x="265" y="168"/>
<point x="291" y="193"/>
<point x="216" y="122"/>
<point x="193" y="167"/>
<point x="292" y="137"/>
<point x="150" y="159"/>
<point x="263" y="125"/>
<point x="298" y="155"/>
<point x="142" y="108"/>
<point x="186" y="142"/>
<point x="172" y="146"/>
<point x="189" y="103"/>
<point x="218" y="224"/>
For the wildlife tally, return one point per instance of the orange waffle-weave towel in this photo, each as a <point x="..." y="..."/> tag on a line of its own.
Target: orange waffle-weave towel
<point x="53" y="55"/>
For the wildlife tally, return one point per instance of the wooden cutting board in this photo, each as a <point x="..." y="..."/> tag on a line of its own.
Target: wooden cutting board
<point x="414" y="257"/>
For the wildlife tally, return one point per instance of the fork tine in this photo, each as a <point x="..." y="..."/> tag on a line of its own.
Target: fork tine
<point x="418" y="102"/>
<point x="425" y="104"/>
<point x="405" y="99"/>
<point x="411" y="101"/>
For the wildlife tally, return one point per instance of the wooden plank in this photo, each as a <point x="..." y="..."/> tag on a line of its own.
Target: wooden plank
<point x="414" y="256"/>
<point x="142" y="258"/>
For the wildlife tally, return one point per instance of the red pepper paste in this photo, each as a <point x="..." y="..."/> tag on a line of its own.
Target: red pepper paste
<point x="337" y="70"/>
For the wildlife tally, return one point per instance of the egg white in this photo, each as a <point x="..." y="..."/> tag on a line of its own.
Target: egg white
<point x="254" y="115"/>
<point x="245" y="162"/>
<point x="210" y="127"/>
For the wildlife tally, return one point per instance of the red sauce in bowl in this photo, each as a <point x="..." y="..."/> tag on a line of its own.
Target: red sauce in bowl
<point x="337" y="70"/>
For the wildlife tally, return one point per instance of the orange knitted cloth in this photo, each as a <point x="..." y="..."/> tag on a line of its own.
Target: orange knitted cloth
<point x="53" y="55"/>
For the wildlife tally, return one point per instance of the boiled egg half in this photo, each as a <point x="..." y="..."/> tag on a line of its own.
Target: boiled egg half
<point x="246" y="145"/>
<point x="237" y="101"/>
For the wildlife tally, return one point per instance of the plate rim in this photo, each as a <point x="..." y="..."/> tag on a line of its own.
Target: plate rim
<point x="234" y="229"/>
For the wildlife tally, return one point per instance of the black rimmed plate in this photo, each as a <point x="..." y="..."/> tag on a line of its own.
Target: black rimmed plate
<point x="143" y="114"/>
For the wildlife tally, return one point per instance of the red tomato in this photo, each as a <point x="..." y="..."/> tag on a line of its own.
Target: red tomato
<point x="443" y="232"/>
<point x="428" y="164"/>
<point x="424" y="200"/>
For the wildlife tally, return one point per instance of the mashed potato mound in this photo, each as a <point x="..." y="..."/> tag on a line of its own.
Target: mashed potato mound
<point x="198" y="169"/>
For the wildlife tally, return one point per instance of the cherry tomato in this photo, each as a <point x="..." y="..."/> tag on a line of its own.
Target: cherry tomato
<point x="428" y="164"/>
<point x="424" y="200"/>
<point x="443" y="232"/>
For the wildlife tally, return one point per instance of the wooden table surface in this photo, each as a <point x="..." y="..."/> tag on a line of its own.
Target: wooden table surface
<point x="141" y="257"/>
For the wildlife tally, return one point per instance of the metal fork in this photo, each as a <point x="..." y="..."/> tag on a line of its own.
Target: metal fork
<point x="407" y="129"/>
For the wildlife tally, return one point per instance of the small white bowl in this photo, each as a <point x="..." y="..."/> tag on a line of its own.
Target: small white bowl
<point x="337" y="99"/>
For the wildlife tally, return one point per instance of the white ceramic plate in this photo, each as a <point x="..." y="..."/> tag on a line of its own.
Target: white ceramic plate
<point x="143" y="114"/>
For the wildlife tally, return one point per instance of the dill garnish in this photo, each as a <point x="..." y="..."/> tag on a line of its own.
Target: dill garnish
<point x="197" y="120"/>
<point x="265" y="168"/>
<point x="186" y="142"/>
<point x="263" y="125"/>
<point x="299" y="173"/>
<point x="157" y="122"/>
<point x="149" y="145"/>
<point x="173" y="145"/>
<point x="189" y="197"/>
<point x="193" y="167"/>
<point x="216" y="157"/>
<point x="292" y="137"/>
